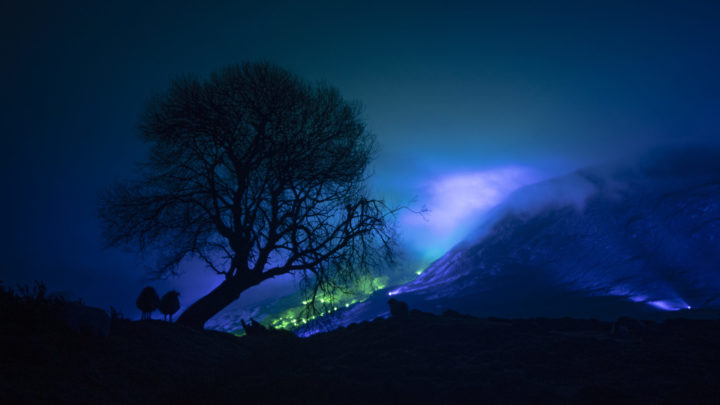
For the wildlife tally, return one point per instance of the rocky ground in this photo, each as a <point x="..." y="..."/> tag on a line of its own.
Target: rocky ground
<point x="420" y="359"/>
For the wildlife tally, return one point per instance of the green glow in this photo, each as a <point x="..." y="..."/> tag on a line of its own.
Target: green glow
<point x="300" y="313"/>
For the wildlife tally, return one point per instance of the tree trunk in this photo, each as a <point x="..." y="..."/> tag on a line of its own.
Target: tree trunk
<point x="206" y="307"/>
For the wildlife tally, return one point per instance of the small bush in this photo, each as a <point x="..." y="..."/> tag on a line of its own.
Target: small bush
<point x="28" y="307"/>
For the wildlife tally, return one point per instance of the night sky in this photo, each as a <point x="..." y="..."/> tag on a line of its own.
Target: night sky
<point x="469" y="101"/>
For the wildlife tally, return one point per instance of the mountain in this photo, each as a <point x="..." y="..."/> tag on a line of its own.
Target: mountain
<point x="640" y="239"/>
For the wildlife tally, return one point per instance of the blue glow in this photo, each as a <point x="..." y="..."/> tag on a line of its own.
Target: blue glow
<point x="669" y="305"/>
<point x="455" y="202"/>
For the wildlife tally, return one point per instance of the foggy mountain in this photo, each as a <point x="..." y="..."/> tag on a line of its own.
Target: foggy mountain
<point x="636" y="239"/>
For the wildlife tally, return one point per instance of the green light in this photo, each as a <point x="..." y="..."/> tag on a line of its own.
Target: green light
<point x="293" y="316"/>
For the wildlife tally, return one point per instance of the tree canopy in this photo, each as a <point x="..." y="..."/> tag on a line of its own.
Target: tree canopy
<point x="258" y="173"/>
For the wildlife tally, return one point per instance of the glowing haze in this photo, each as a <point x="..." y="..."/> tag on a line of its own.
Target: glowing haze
<point x="455" y="203"/>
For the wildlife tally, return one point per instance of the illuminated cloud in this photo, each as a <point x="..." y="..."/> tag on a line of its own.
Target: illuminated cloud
<point x="456" y="203"/>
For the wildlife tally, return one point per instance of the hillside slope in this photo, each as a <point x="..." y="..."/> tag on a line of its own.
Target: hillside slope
<point x="600" y="243"/>
<point x="421" y="359"/>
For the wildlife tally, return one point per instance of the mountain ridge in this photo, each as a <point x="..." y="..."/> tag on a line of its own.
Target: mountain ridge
<point x="644" y="233"/>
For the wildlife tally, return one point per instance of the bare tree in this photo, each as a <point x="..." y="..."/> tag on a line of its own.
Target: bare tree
<point x="259" y="174"/>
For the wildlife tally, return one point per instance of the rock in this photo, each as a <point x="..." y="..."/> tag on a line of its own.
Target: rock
<point x="398" y="309"/>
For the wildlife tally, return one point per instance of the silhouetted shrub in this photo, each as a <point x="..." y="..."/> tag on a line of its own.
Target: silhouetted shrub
<point x="147" y="302"/>
<point x="27" y="307"/>
<point x="169" y="304"/>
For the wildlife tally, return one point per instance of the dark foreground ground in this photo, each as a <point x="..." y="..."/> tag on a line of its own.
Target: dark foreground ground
<point x="421" y="359"/>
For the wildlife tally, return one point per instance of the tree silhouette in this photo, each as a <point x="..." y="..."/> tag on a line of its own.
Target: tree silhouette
<point x="259" y="174"/>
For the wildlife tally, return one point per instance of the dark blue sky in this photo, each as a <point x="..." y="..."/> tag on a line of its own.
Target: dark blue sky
<point x="468" y="99"/>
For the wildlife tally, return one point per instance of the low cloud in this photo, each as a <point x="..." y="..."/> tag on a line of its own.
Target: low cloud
<point x="455" y="202"/>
